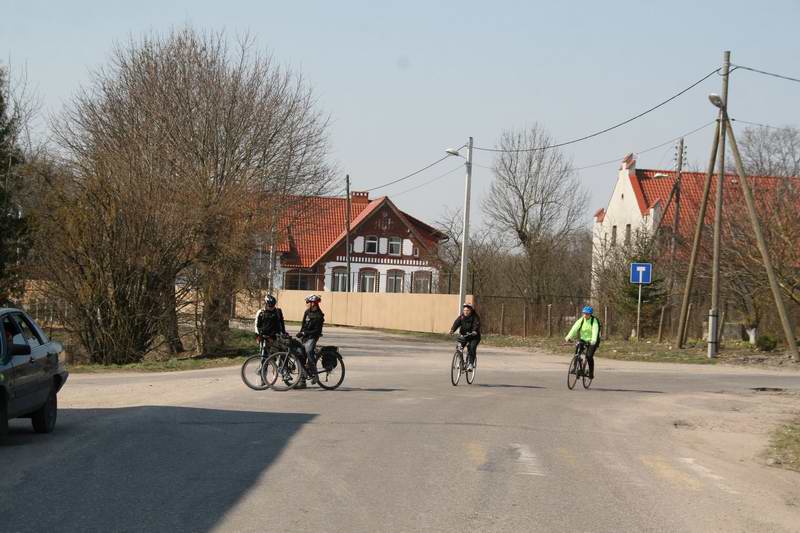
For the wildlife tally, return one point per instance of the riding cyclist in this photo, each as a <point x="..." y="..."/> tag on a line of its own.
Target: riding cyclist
<point x="311" y="331"/>
<point x="469" y="326"/>
<point x="269" y="321"/>
<point x="587" y="330"/>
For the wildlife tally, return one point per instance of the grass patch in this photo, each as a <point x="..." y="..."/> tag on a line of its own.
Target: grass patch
<point x="239" y="345"/>
<point x="784" y="450"/>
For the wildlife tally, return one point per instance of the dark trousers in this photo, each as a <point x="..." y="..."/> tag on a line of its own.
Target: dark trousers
<point x="472" y="349"/>
<point x="590" y="348"/>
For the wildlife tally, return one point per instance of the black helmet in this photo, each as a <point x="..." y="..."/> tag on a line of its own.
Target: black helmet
<point x="313" y="299"/>
<point x="270" y="300"/>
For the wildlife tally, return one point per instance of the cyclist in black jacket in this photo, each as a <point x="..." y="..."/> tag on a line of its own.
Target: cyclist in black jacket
<point x="311" y="331"/>
<point x="469" y="325"/>
<point x="269" y="320"/>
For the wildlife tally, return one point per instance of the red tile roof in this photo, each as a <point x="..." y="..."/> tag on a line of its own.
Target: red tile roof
<point x="656" y="190"/>
<point x="317" y="224"/>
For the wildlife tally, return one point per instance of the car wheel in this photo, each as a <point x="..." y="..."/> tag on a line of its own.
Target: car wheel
<point x="3" y="417"/>
<point x="44" y="419"/>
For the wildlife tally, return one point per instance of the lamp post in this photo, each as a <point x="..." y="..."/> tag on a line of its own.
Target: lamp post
<point x="462" y="281"/>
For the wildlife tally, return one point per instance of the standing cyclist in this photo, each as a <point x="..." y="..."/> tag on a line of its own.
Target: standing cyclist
<point x="469" y="326"/>
<point x="311" y="331"/>
<point x="587" y="330"/>
<point x="269" y="321"/>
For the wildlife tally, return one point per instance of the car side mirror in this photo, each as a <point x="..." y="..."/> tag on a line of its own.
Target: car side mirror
<point x="20" y="349"/>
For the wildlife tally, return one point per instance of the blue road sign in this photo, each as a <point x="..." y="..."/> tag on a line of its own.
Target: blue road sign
<point x="641" y="273"/>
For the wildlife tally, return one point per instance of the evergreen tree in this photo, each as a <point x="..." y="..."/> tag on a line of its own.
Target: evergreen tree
<point x="12" y="222"/>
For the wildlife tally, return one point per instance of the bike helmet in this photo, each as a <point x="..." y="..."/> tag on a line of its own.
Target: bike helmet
<point x="588" y="310"/>
<point x="469" y="306"/>
<point x="313" y="299"/>
<point x="270" y="300"/>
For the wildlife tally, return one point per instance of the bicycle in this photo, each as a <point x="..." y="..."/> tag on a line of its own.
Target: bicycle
<point x="579" y="367"/>
<point x="459" y="365"/>
<point x="285" y="370"/>
<point x="253" y="367"/>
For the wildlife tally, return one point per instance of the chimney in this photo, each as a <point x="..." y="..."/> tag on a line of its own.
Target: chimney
<point x="628" y="165"/>
<point x="359" y="197"/>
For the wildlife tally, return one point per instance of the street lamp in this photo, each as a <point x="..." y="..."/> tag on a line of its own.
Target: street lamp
<point x="462" y="284"/>
<point x="715" y="99"/>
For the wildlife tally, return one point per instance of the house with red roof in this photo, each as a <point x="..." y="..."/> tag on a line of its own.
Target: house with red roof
<point x="643" y="201"/>
<point x="390" y="250"/>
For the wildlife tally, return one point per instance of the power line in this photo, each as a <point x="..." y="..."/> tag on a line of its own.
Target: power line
<point x="637" y="152"/>
<point x="398" y="180"/>
<point x="764" y="72"/>
<point x="606" y="130"/>
<point x="759" y="124"/>
<point x="437" y="178"/>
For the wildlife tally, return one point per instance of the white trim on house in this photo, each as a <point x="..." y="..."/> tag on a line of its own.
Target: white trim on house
<point x="407" y="266"/>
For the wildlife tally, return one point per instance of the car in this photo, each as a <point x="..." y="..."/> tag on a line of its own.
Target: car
<point x="31" y="373"/>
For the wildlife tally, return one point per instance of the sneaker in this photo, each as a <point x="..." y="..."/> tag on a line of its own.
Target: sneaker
<point x="591" y="375"/>
<point x="470" y="367"/>
<point x="301" y="384"/>
<point x="314" y="380"/>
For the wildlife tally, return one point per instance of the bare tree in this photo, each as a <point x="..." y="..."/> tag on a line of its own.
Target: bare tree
<point x="537" y="202"/>
<point x="171" y="158"/>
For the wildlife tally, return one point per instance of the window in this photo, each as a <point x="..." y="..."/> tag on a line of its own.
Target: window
<point x="371" y="246"/>
<point x="394" y="281"/>
<point x="416" y="251"/>
<point x="301" y="281"/>
<point x="368" y="280"/>
<point x="395" y="245"/>
<point x="421" y="282"/>
<point x="627" y="234"/>
<point x="12" y="333"/>
<point x="339" y="279"/>
<point x="613" y="235"/>
<point x="31" y="337"/>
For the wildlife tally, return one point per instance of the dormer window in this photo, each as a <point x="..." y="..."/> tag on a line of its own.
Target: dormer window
<point x="371" y="245"/>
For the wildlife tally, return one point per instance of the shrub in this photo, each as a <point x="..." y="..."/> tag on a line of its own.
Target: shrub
<point x="766" y="343"/>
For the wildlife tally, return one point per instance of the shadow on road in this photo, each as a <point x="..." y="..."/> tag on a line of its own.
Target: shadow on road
<point x="627" y="390"/>
<point x="501" y="386"/>
<point x="138" y="468"/>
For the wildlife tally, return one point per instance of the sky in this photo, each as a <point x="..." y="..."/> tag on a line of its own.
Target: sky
<point x="403" y="81"/>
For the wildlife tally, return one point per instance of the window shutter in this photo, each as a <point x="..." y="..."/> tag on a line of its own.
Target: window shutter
<point x="408" y="247"/>
<point x="383" y="245"/>
<point x="358" y="245"/>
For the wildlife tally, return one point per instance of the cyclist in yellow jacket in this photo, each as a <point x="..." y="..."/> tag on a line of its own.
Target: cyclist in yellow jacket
<point x="587" y="331"/>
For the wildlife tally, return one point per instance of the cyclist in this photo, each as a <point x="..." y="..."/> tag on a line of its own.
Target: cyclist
<point x="469" y="325"/>
<point x="587" y="330"/>
<point x="310" y="332"/>
<point x="269" y="321"/>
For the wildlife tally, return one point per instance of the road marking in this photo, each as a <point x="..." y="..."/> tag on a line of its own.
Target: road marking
<point x="527" y="460"/>
<point x="663" y="469"/>
<point x="477" y="453"/>
<point x="569" y="456"/>
<point x="707" y="473"/>
<point x="614" y="462"/>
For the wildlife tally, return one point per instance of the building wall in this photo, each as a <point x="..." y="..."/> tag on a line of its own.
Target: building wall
<point x="622" y="210"/>
<point x="382" y="266"/>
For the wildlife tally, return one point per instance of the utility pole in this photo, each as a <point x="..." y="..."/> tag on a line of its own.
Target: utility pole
<point x="791" y="342"/>
<point x="713" y="313"/>
<point x="698" y="233"/>
<point x="347" y="231"/>
<point x="675" y="221"/>
<point x="462" y="282"/>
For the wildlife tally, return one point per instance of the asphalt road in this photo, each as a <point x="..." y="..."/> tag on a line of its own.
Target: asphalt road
<point x="649" y="447"/>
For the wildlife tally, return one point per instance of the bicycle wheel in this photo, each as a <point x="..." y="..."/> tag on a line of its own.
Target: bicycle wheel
<point x="252" y="374"/>
<point x="471" y="373"/>
<point x="283" y="370"/>
<point x="572" y="375"/>
<point x="587" y="381"/>
<point x="330" y="379"/>
<point x="455" y="369"/>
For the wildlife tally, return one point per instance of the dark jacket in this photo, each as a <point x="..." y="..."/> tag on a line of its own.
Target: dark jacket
<point x="269" y="322"/>
<point x="468" y="324"/>
<point x="312" y="323"/>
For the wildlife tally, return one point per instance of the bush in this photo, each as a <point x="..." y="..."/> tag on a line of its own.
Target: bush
<point x="766" y="343"/>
